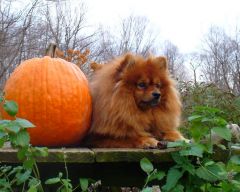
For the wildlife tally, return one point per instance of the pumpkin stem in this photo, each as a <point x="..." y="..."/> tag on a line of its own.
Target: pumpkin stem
<point x="51" y="50"/>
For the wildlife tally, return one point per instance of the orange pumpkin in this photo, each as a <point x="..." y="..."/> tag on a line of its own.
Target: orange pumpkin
<point x="54" y="95"/>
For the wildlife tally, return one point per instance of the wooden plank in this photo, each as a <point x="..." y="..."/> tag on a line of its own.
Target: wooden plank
<point x="84" y="155"/>
<point x="132" y="155"/>
<point x="8" y="155"/>
<point x="72" y="155"/>
<point x="101" y="155"/>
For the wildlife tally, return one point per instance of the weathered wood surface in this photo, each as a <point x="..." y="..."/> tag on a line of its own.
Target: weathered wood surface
<point x="85" y="155"/>
<point x="132" y="155"/>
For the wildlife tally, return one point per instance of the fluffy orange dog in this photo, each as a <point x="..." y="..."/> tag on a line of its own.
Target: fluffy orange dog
<point x="135" y="103"/>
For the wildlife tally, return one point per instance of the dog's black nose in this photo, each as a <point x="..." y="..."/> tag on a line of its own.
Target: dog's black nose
<point x="156" y="95"/>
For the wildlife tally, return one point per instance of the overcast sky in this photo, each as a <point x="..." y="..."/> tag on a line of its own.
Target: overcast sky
<point x="183" y="22"/>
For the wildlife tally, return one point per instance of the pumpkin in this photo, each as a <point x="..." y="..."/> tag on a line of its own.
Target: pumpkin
<point x="54" y="95"/>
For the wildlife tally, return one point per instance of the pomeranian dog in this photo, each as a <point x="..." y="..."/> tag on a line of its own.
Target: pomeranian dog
<point x="135" y="103"/>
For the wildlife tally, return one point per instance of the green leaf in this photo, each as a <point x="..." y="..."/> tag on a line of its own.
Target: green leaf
<point x="4" y="124"/>
<point x="83" y="184"/>
<point x="223" y="132"/>
<point x="147" y="189"/>
<point x="195" y="150"/>
<point x="226" y="186"/>
<point x="11" y="107"/>
<point x="67" y="184"/>
<point x="5" y="184"/>
<point x="179" y="143"/>
<point x="178" y="158"/>
<point x="159" y="175"/>
<point x="212" y="173"/>
<point x="219" y="121"/>
<point x="194" y="117"/>
<point x="198" y="131"/>
<point x="32" y="189"/>
<point x="209" y="147"/>
<point x="2" y="141"/>
<point x="236" y="184"/>
<point x="189" y="168"/>
<point x="28" y="164"/>
<point x="22" y="177"/>
<point x="146" y="165"/>
<point x="15" y="170"/>
<point x="207" y="163"/>
<point x="183" y="162"/>
<point x="13" y="127"/>
<point x="203" y="173"/>
<point x="178" y="188"/>
<point x="24" y="123"/>
<point x="235" y="159"/>
<point x="33" y="182"/>
<point x="52" y="181"/>
<point x="21" y="154"/>
<point x="23" y="138"/>
<point x="2" y="134"/>
<point x="20" y="139"/>
<point x="172" y="178"/>
<point x="206" y="119"/>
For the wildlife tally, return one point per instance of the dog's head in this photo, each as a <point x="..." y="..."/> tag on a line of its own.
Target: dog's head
<point x="145" y="79"/>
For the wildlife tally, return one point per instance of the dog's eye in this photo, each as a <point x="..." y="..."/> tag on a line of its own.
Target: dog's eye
<point x="158" y="85"/>
<point x="142" y="85"/>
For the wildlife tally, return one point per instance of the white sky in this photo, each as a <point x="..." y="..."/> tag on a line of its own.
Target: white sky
<point x="183" y="22"/>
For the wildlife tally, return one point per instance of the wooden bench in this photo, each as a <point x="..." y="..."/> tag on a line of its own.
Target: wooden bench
<point x="118" y="167"/>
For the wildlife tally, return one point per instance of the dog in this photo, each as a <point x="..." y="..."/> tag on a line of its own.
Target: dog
<point x="135" y="103"/>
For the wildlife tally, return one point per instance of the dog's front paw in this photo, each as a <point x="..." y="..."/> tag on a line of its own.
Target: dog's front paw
<point x="149" y="143"/>
<point x="162" y="144"/>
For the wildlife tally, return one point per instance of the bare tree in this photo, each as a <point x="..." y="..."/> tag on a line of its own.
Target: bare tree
<point x="220" y="58"/>
<point x="236" y="62"/>
<point x="175" y="61"/>
<point x="194" y="61"/>
<point x="13" y="31"/>
<point x="131" y="35"/>
<point x="67" y="27"/>
<point x="134" y="36"/>
<point x="106" y="46"/>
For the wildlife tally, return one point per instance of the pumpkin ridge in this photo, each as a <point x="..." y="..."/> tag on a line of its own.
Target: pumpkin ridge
<point x="65" y="82"/>
<point x="76" y="91"/>
<point x="34" y="70"/>
<point x="61" y="81"/>
<point x="33" y="115"/>
<point x="52" y="103"/>
<point x="45" y="78"/>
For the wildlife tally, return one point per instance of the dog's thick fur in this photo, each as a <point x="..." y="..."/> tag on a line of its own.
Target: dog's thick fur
<point x="135" y="103"/>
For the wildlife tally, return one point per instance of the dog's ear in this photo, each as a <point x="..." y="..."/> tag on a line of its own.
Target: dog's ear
<point x="128" y="61"/>
<point x="161" y="62"/>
